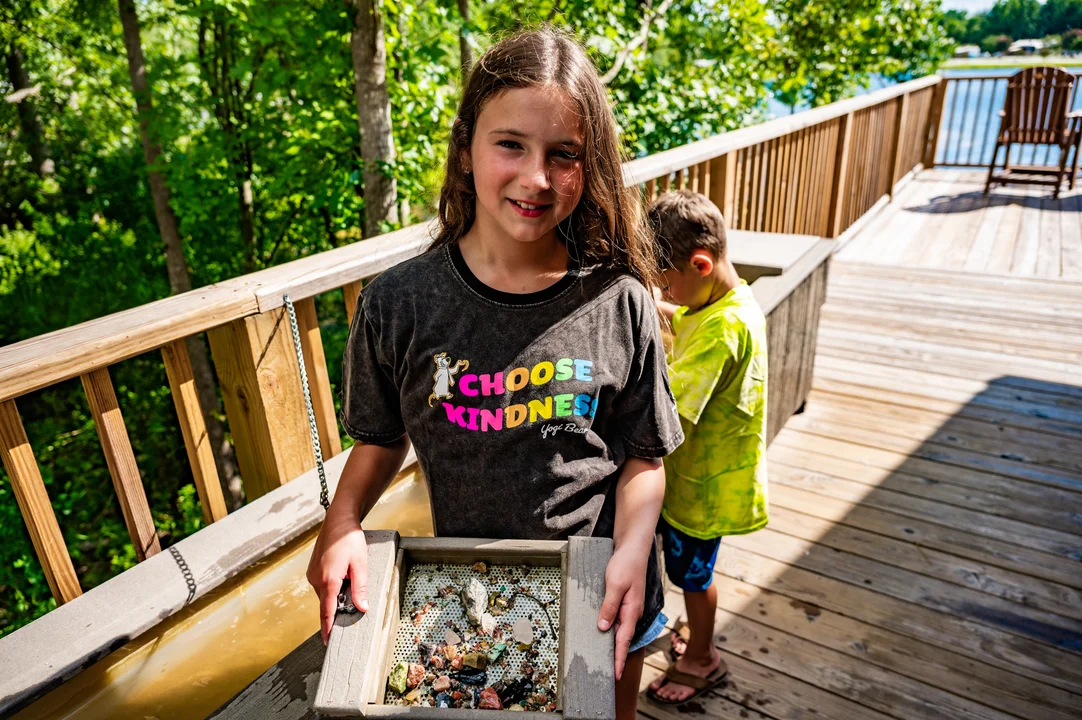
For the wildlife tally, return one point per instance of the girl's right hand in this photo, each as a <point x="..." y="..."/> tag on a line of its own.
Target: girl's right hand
<point x="340" y="552"/>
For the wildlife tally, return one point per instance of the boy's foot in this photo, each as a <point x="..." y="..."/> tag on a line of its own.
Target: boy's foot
<point x="675" y="692"/>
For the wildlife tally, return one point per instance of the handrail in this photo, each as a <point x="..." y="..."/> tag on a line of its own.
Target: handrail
<point x="73" y="351"/>
<point x="1008" y="72"/>
<point x="658" y="164"/>
<point x="966" y="131"/>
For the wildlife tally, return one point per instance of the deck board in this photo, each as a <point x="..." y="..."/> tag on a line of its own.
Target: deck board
<point x="942" y="219"/>
<point x="924" y="555"/>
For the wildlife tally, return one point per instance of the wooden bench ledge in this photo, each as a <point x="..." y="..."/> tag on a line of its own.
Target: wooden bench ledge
<point x="40" y="656"/>
<point x="756" y="254"/>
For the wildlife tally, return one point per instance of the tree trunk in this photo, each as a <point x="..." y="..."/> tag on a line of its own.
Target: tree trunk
<point x="466" y="53"/>
<point x="29" y="119"/>
<point x="403" y="202"/>
<point x="374" y="117"/>
<point x="177" y="268"/>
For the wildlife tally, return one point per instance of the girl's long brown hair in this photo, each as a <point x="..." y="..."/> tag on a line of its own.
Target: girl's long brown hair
<point x="607" y="225"/>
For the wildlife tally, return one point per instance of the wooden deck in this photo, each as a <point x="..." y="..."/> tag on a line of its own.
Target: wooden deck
<point x="942" y="219"/>
<point x="924" y="553"/>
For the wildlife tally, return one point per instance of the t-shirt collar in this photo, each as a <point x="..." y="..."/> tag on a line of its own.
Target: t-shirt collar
<point x="506" y="298"/>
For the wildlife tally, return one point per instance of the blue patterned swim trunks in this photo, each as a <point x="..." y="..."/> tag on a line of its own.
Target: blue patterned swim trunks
<point x="689" y="561"/>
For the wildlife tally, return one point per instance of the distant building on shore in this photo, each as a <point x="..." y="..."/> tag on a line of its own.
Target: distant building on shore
<point x="967" y="51"/>
<point x="1025" y="47"/>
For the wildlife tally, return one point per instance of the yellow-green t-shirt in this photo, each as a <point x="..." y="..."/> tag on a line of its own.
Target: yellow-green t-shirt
<point x="715" y="483"/>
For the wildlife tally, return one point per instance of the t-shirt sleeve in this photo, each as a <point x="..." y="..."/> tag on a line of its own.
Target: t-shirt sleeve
<point x="695" y="374"/>
<point x="645" y="411"/>
<point x="371" y="410"/>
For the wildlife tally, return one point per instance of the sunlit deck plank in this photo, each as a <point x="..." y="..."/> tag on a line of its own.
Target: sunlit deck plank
<point x="944" y="220"/>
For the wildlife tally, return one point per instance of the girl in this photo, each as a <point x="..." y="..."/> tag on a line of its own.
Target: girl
<point x="520" y="354"/>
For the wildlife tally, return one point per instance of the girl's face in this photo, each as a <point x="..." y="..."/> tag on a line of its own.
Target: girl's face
<point x="526" y="163"/>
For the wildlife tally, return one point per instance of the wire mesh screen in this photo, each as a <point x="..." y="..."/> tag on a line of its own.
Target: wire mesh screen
<point x="432" y="605"/>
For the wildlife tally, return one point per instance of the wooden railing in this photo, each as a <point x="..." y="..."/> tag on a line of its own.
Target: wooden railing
<point x="257" y="372"/>
<point x="817" y="172"/>
<point x="967" y="127"/>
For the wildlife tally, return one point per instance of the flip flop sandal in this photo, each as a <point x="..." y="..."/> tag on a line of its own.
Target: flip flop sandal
<point x="701" y="685"/>
<point x="684" y="632"/>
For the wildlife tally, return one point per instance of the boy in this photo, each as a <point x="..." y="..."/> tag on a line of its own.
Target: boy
<point x="716" y="480"/>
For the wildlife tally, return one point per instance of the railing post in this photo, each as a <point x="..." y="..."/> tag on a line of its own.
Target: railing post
<point x="261" y="388"/>
<point x="899" y="141"/>
<point x="121" y="461"/>
<point x="37" y="511"/>
<point x="704" y="177"/>
<point x="319" y="384"/>
<point x="178" y="368"/>
<point x="723" y="185"/>
<point x="935" y="117"/>
<point x="841" y="173"/>
<point x="351" y="291"/>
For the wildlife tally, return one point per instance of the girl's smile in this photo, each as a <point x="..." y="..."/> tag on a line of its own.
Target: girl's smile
<point x="527" y="209"/>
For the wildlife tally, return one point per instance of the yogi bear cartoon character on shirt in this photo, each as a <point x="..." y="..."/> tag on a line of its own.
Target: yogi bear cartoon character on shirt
<point x="444" y="377"/>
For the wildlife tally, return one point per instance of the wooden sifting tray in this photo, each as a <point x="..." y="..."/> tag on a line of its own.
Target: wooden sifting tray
<point x="553" y="587"/>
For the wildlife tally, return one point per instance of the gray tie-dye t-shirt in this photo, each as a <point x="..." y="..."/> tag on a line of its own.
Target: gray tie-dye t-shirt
<point x="521" y="407"/>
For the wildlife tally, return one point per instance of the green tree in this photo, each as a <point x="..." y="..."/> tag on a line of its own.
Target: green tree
<point x="996" y="43"/>
<point x="79" y="243"/>
<point x="962" y="28"/>
<point x="827" y="47"/>
<point x="1057" y="17"/>
<point x="1017" y="19"/>
<point x="676" y="71"/>
<point x="1072" y="39"/>
<point x="175" y="262"/>
<point x="955" y="24"/>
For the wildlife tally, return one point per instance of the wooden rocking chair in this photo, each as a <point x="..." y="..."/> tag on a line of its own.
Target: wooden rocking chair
<point x="1036" y="112"/>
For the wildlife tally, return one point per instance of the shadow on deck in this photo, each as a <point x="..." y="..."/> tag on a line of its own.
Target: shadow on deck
<point x="967" y="201"/>
<point x="923" y="553"/>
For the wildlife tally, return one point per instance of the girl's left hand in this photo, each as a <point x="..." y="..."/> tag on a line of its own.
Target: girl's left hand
<point x="625" y="591"/>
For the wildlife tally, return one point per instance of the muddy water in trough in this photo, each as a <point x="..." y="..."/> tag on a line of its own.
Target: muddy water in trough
<point x="192" y="663"/>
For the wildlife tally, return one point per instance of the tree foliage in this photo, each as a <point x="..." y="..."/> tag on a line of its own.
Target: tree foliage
<point x="828" y="47"/>
<point x="255" y="112"/>
<point x="1016" y="20"/>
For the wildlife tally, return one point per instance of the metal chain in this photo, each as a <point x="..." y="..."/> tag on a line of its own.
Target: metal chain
<point x="345" y="597"/>
<point x="323" y="500"/>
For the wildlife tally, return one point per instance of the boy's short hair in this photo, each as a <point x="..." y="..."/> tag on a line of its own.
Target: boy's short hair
<point x="683" y="222"/>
